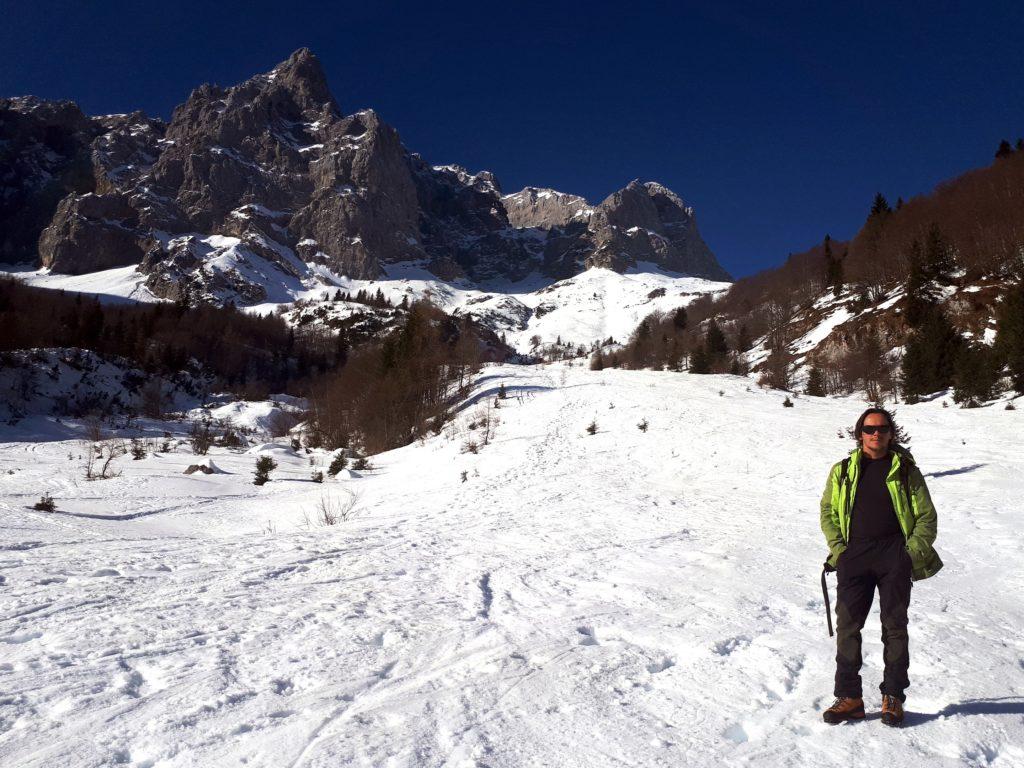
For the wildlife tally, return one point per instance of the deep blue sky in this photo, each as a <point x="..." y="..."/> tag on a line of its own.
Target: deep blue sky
<point x="777" y="122"/>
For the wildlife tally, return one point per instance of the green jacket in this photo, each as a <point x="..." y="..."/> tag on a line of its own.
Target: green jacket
<point x="913" y="506"/>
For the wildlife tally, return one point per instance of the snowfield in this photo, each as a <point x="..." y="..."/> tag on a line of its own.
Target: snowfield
<point x="628" y="598"/>
<point x="589" y="307"/>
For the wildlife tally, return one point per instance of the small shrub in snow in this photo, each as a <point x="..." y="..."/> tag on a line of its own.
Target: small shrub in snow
<point x="138" y="449"/>
<point x="331" y="511"/>
<point x="945" y="404"/>
<point x="200" y="437"/>
<point x="317" y="476"/>
<point x="362" y="464"/>
<point x="642" y="426"/>
<point x="465" y="475"/>
<point x="787" y="403"/>
<point x="264" y="466"/>
<point x="45" y="504"/>
<point x="337" y="464"/>
<point x="296" y="445"/>
<point x="99" y="459"/>
<point x="1010" y="407"/>
<point x="231" y="439"/>
<point x="592" y="427"/>
<point x="94" y="431"/>
<point x="470" y="446"/>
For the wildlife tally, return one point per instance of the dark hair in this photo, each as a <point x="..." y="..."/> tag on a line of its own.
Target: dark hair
<point x="893" y="429"/>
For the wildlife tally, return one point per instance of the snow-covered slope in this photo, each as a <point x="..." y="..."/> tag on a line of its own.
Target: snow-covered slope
<point x="588" y="307"/>
<point x="627" y="598"/>
<point x="68" y="381"/>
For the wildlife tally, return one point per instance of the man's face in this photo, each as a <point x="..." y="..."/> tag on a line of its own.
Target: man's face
<point x="878" y="443"/>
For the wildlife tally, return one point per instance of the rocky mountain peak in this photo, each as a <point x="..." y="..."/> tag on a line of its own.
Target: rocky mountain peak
<point x="302" y="76"/>
<point x="546" y="208"/>
<point x="252" y="184"/>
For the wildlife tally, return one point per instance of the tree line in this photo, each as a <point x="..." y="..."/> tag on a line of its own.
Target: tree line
<point x="372" y="396"/>
<point x="981" y="217"/>
<point x="390" y="393"/>
<point x="247" y="353"/>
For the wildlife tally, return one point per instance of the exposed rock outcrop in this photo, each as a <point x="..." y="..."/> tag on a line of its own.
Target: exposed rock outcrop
<point x="254" y="183"/>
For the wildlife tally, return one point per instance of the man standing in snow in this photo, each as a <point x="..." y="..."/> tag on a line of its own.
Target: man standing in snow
<point x="880" y="525"/>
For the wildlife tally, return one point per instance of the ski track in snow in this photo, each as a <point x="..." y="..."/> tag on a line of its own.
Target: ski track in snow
<point x="626" y="598"/>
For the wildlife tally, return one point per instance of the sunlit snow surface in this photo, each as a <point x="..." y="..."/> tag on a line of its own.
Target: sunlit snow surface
<point x="626" y="598"/>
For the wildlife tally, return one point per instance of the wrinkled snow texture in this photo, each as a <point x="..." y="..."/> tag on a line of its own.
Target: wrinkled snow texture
<point x="627" y="598"/>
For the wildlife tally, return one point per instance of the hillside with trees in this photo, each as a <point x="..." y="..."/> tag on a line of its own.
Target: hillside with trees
<point x="925" y="296"/>
<point x="371" y="391"/>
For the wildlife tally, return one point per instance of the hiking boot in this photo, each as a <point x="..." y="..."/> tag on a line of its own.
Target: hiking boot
<point x="844" y="708"/>
<point x="892" y="711"/>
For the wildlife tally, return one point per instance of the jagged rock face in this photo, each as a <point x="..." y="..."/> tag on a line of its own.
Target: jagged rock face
<point x="275" y="165"/>
<point x="642" y="222"/>
<point x="43" y="157"/>
<point x="545" y="208"/>
<point x="103" y="226"/>
<point x="125" y="150"/>
<point x="648" y="222"/>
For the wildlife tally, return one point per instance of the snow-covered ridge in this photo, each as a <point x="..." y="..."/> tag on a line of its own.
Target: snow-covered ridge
<point x="583" y="309"/>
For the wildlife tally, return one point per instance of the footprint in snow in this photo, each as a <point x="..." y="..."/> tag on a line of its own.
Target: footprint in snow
<point x="661" y="665"/>
<point x="727" y="647"/>
<point x="588" y="636"/>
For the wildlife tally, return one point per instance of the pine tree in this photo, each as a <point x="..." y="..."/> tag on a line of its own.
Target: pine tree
<point x="597" y="361"/>
<point x="715" y="343"/>
<point x="816" y="382"/>
<point x="700" y="361"/>
<point x="829" y="261"/>
<point x="1020" y="145"/>
<point x="899" y="203"/>
<point x="679" y="319"/>
<point x="833" y="269"/>
<point x="1005" y="150"/>
<point x="976" y="374"/>
<point x="938" y="257"/>
<point x="877" y="372"/>
<point x="743" y="339"/>
<point x="880" y="205"/>
<point x="264" y="466"/>
<point x="930" y="356"/>
<point x="337" y="464"/>
<point x="919" y="298"/>
<point x="837" y="275"/>
<point x="1010" y="333"/>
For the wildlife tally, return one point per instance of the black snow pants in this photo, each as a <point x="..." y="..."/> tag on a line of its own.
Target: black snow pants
<point x="865" y="565"/>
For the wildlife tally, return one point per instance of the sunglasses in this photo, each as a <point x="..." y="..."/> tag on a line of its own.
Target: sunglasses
<point x="882" y="429"/>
